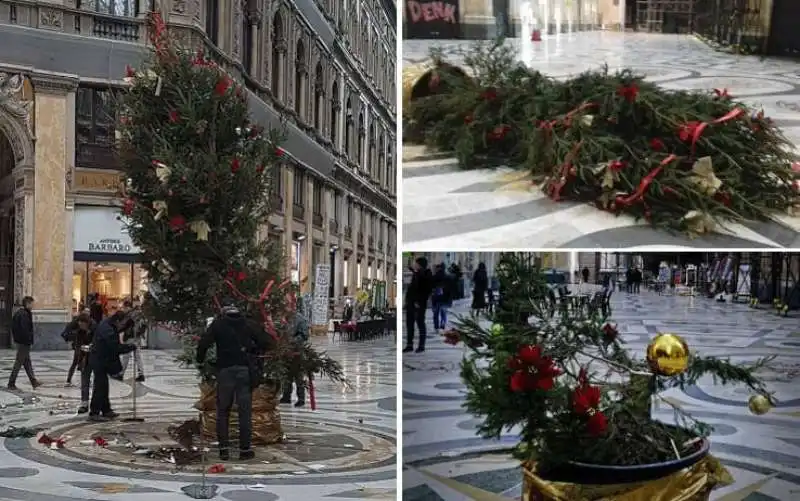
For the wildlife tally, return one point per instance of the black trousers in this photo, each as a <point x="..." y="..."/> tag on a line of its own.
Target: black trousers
<point x="233" y="383"/>
<point x="76" y="358"/>
<point x="101" y="403"/>
<point x="298" y="380"/>
<point x="415" y="314"/>
<point x="23" y="359"/>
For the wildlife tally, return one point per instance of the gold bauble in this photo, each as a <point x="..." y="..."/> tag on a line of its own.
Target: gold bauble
<point x="759" y="404"/>
<point x="668" y="354"/>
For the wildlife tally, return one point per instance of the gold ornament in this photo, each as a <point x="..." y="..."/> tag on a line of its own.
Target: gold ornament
<point x="703" y="176"/>
<point x="201" y="228"/>
<point x="497" y="330"/>
<point x="160" y="207"/>
<point x="759" y="404"/>
<point x="668" y="354"/>
<point x="162" y="172"/>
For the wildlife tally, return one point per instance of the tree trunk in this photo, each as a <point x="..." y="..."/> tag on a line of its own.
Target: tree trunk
<point x="266" y="415"/>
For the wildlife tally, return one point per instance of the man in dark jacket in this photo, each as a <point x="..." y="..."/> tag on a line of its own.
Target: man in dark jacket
<point x="416" y="302"/>
<point x="22" y="333"/>
<point x="104" y="361"/>
<point x="239" y="342"/>
<point x="78" y="332"/>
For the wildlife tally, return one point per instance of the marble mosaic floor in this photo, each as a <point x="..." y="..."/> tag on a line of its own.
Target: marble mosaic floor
<point x="345" y="450"/>
<point x="491" y="209"/>
<point x="445" y="461"/>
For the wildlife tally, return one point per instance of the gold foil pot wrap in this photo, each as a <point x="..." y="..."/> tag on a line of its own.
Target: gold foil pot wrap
<point x="266" y="415"/>
<point x="416" y="77"/>
<point x="694" y="483"/>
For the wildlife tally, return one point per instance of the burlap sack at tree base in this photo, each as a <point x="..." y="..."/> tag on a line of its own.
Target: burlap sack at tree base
<point x="266" y="415"/>
<point x="691" y="484"/>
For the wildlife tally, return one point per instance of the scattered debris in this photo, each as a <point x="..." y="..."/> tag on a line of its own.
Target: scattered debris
<point x="216" y="468"/>
<point x="21" y="432"/>
<point x="53" y="443"/>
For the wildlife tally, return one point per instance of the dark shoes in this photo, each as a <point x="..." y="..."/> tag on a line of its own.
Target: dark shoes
<point x="140" y="378"/>
<point x="12" y="387"/>
<point x="111" y="415"/>
<point x="36" y="384"/>
<point x="300" y="403"/>
<point x="247" y="455"/>
<point x="286" y="400"/>
<point x="97" y="418"/>
<point x="408" y="349"/>
<point x="83" y="410"/>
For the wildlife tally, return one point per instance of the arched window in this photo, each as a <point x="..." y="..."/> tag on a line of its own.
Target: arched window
<point x="212" y="20"/>
<point x="336" y="105"/>
<point x="370" y="167"/>
<point x="277" y="56"/>
<point x="348" y="127"/>
<point x="379" y="164"/>
<point x="361" y="132"/>
<point x="299" y="77"/>
<point x="319" y="96"/>
<point x="7" y="161"/>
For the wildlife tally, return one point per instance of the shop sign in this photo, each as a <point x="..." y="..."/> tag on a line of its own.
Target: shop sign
<point x="432" y="19"/>
<point x="111" y="246"/>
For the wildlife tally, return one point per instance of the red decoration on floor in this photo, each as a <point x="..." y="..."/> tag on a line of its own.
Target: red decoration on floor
<point x="536" y="36"/>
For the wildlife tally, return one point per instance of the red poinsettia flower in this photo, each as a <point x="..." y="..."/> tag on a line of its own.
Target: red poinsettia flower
<point x="610" y="332"/>
<point x="530" y="355"/>
<point x="583" y="377"/>
<point x="597" y="424"/>
<point x="128" y="206"/>
<point x="617" y="165"/>
<point x="489" y="94"/>
<point x="279" y="152"/>
<point x="585" y="399"/>
<point x="533" y="371"/>
<point x="241" y="276"/>
<point x="176" y="223"/>
<point x="657" y="144"/>
<point x="468" y="119"/>
<point x="628" y="92"/>
<point x="235" y="165"/>
<point x="255" y="131"/>
<point x="222" y="86"/>
<point x="174" y="116"/>
<point x="129" y="71"/>
<point x="687" y="130"/>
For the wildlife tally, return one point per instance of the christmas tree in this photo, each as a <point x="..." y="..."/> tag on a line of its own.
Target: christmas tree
<point x="681" y="160"/>
<point x="199" y="175"/>
<point x="560" y="374"/>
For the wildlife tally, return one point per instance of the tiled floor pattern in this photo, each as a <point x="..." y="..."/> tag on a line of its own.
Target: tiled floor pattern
<point x="445" y="461"/>
<point x="346" y="449"/>
<point x="485" y="209"/>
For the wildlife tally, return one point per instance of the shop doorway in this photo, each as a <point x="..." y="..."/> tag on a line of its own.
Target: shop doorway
<point x="7" y="163"/>
<point x="784" y="37"/>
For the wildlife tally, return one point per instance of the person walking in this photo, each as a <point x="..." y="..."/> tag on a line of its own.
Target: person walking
<point x="585" y="274"/>
<point x="104" y="361"/>
<point x="417" y="295"/>
<point x="96" y="310"/>
<point x="241" y="344"/>
<point x="441" y="297"/>
<point x="480" y="283"/>
<point x="296" y="377"/>
<point x="134" y="334"/>
<point x="22" y="334"/>
<point x="78" y="332"/>
<point x="637" y="280"/>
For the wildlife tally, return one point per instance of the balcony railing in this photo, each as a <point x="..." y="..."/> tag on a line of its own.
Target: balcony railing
<point x="316" y="220"/>
<point x="334" y="226"/>
<point x="298" y="212"/>
<point x="114" y="28"/>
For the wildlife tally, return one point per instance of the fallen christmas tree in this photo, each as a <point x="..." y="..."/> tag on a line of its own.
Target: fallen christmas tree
<point x="198" y="178"/>
<point x="560" y="377"/>
<point x="682" y="160"/>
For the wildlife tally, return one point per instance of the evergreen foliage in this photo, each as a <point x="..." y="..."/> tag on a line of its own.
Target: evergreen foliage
<point x="563" y="378"/>
<point x="682" y="160"/>
<point x="200" y="176"/>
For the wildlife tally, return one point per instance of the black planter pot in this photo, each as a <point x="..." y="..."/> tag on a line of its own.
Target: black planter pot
<point x="596" y="474"/>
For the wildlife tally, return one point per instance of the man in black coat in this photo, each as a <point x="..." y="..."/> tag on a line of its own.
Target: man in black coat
<point x="22" y="333"/>
<point x="416" y="302"/>
<point x="78" y="332"/>
<point x="240" y="342"/>
<point x="104" y="361"/>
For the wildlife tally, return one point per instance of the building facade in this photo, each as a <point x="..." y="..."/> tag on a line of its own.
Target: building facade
<point x="325" y="69"/>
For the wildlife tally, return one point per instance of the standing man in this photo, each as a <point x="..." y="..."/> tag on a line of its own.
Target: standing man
<point x="240" y="343"/>
<point x="296" y="377"/>
<point x="80" y="332"/>
<point x="22" y="333"/>
<point x="134" y="335"/>
<point x="104" y="361"/>
<point x="416" y="301"/>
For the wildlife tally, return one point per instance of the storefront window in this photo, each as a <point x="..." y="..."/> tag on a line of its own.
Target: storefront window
<point x="114" y="282"/>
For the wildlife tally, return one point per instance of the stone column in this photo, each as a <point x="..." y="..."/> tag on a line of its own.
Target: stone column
<point x="308" y="218"/>
<point x="352" y="283"/>
<point x="288" y="241"/>
<point x="477" y="20"/>
<point x="54" y="126"/>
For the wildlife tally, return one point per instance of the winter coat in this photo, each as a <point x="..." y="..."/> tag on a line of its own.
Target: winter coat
<point x="442" y="287"/>
<point x="235" y="336"/>
<point x="106" y="348"/>
<point x="22" y="327"/>
<point x="419" y="290"/>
